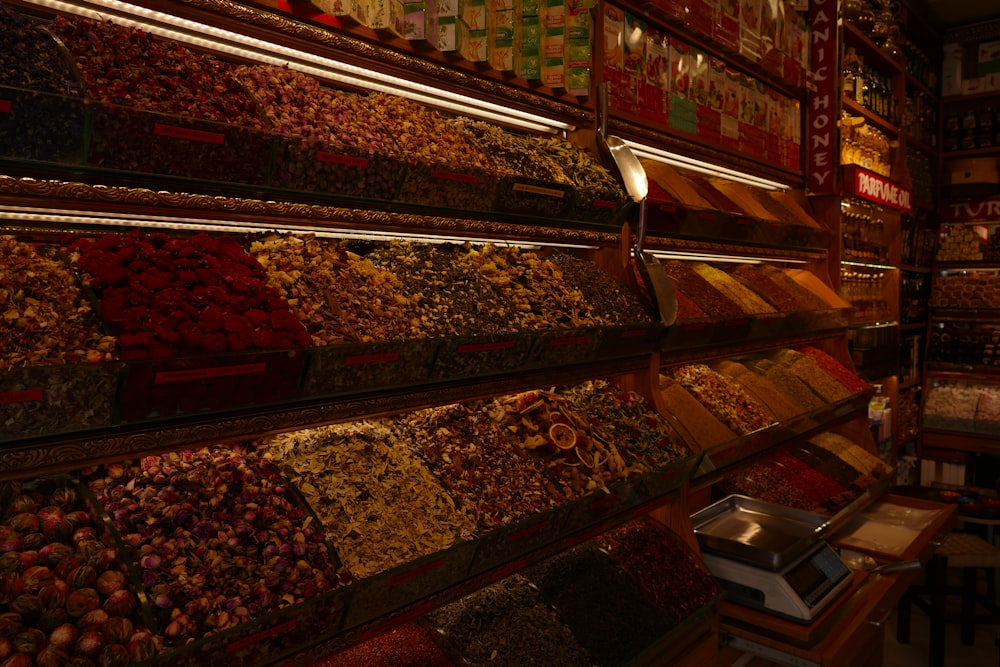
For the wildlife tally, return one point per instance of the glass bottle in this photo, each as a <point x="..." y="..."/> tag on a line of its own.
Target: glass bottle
<point x="849" y="73"/>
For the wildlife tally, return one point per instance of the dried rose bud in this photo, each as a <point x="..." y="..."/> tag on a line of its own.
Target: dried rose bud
<point x="83" y="534"/>
<point x="113" y="655"/>
<point x="90" y="644"/>
<point x="121" y="603"/>
<point x="10" y="562"/>
<point x="83" y="576"/>
<point x="29" y="606"/>
<point x="36" y="577"/>
<point x="57" y="530"/>
<point x="55" y="553"/>
<point x="10" y="624"/>
<point x="10" y="539"/>
<point x="17" y="660"/>
<point x="29" y="641"/>
<point x="29" y="558"/>
<point x="52" y="656"/>
<point x="78" y="519"/>
<point x="110" y="581"/>
<point x="25" y="522"/>
<point x="50" y="619"/>
<point x="141" y="648"/>
<point x="82" y="600"/>
<point x="95" y="619"/>
<point x="54" y="595"/>
<point x="119" y="630"/>
<point x="35" y="541"/>
<point x="65" y="635"/>
<point x="67" y="565"/>
<point x="64" y="498"/>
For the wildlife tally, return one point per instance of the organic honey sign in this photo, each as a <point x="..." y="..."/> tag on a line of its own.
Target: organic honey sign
<point x="823" y="101"/>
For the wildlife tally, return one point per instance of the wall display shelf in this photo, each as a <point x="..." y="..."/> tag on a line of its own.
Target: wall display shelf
<point x="632" y="355"/>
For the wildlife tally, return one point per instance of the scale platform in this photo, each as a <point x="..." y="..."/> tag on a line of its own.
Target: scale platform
<point x="770" y="557"/>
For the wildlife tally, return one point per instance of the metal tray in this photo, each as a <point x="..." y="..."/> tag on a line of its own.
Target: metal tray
<point x="756" y="532"/>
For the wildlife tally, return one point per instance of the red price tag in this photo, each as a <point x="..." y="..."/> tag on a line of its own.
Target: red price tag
<point x="260" y="636"/>
<point x="365" y="359"/>
<point x="455" y="176"/>
<point x="418" y="572"/>
<point x="527" y="532"/>
<point x="486" y="347"/>
<point x="508" y="569"/>
<point x="5" y="106"/>
<point x="348" y="160"/>
<point x="603" y="203"/>
<point x="571" y="340"/>
<point x="24" y="396"/>
<point x="189" y="134"/>
<point x="635" y="333"/>
<point x="205" y="373"/>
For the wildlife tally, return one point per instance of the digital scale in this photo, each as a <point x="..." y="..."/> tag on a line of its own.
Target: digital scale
<point x="770" y="557"/>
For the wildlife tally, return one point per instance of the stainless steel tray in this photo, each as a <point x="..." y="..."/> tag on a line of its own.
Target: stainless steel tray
<point x="763" y="534"/>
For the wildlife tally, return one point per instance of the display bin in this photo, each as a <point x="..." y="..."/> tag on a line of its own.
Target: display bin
<point x="358" y="367"/>
<point x="606" y="208"/>
<point x="768" y="325"/>
<point x="629" y="340"/>
<point x="742" y="228"/>
<point x="175" y="386"/>
<point x="563" y="347"/>
<point x="733" y="330"/>
<point x="798" y="322"/>
<point x="596" y="507"/>
<point x="666" y="479"/>
<point x="530" y="196"/>
<point x="136" y="140"/>
<point x="265" y="639"/>
<point x="42" y="126"/>
<point x="466" y="356"/>
<point x="39" y="401"/>
<point x="336" y="168"/>
<point x="400" y="586"/>
<point x="449" y="187"/>
<point x="508" y="543"/>
<point x="833" y="318"/>
<point x="665" y="217"/>
<point x="688" y="334"/>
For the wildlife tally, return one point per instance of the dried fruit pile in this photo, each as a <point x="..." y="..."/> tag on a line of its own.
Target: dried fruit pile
<point x="664" y="566"/>
<point x="338" y="295"/>
<point x="64" y="589"/>
<point x="335" y="142"/>
<point x="164" y="295"/>
<point x="379" y="503"/>
<point x="46" y="319"/>
<point x="822" y="475"/>
<point x="724" y="397"/>
<point x="216" y="537"/>
<point x="30" y="58"/>
<point x="508" y="623"/>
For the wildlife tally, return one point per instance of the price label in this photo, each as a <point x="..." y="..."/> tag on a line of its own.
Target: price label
<point x="583" y="537"/>
<point x="527" y="532"/>
<point x="5" y="106"/>
<point x="347" y="160"/>
<point x="537" y="190"/>
<point x="365" y="359"/>
<point x="635" y="333"/>
<point x="416" y="572"/>
<point x="486" y="347"/>
<point x="250" y="640"/>
<point x="468" y="179"/>
<point x="23" y="396"/>
<point x="569" y="340"/>
<point x="605" y="501"/>
<point x="190" y="135"/>
<point x="206" y="373"/>
<point x="508" y="569"/>
<point x="604" y="203"/>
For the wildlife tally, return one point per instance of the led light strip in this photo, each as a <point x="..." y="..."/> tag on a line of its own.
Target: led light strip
<point x="251" y="48"/>
<point x="735" y="259"/>
<point x="65" y="216"/>
<point x="867" y="265"/>
<point x="702" y="167"/>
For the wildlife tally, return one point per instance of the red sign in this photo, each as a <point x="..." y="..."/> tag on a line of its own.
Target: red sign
<point x="5" y="106"/>
<point x="205" y="373"/>
<point x="971" y="210"/>
<point x="191" y="135"/>
<point x="261" y="636"/>
<point x="454" y="176"/>
<point x="365" y="359"/>
<point x="879" y="189"/>
<point x="823" y="104"/>
<point x="485" y="347"/>
<point x="348" y="160"/>
<point x="23" y="396"/>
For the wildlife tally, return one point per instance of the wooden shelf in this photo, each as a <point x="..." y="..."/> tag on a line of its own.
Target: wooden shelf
<point x="872" y="53"/>
<point x="922" y="87"/>
<point x="992" y="151"/>
<point x="870" y="117"/>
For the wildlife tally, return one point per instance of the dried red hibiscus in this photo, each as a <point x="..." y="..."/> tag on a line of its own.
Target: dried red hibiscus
<point x="165" y="296"/>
